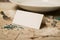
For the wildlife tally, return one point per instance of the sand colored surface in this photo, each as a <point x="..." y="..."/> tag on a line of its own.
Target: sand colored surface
<point x="48" y="33"/>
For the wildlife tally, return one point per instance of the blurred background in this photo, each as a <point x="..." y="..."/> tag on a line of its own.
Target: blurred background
<point x="4" y="0"/>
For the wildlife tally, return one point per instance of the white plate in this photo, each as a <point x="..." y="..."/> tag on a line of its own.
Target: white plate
<point x="38" y="5"/>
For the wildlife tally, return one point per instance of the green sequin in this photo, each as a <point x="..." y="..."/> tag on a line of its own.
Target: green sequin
<point x="12" y="26"/>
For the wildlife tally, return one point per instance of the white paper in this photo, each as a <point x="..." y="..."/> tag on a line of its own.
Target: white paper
<point x="28" y="19"/>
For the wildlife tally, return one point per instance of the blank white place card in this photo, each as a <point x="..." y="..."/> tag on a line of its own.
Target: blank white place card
<point x="28" y="19"/>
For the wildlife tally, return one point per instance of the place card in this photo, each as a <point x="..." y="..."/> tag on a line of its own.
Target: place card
<point x="28" y="19"/>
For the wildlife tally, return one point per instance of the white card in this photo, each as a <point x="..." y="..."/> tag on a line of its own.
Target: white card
<point x="28" y="19"/>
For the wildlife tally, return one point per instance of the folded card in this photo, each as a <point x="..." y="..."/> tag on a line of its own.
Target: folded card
<point x="28" y="19"/>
